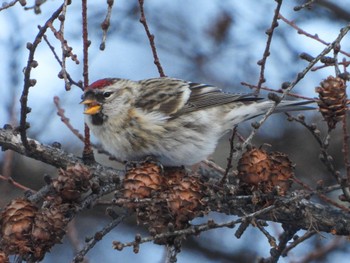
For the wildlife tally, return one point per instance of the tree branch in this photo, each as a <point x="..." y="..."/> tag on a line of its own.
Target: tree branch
<point x="294" y="210"/>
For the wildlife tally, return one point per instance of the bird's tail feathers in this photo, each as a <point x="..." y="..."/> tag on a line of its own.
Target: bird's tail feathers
<point x="290" y="105"/>
<point x="255" y="109"/>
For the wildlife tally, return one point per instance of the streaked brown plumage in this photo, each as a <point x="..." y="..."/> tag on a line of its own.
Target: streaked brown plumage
<point x="176" y="121"/>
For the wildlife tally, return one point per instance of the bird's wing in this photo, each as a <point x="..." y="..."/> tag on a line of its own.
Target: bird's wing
<point x="175" y="97"/>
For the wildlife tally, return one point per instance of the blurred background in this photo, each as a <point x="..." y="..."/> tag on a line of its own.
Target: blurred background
<point x="215" y="42"/>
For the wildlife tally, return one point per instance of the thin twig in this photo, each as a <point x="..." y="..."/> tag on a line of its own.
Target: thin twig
<point x="88" y="154"/>
<point x="343" y="63"/>
<point x="346" y="150"/>
<point x="36" y="6"/>
<point x="8" y="5"/>
<point x="196" y="229"/>
<point x="276" y="252"/>
<point x="270" y="238"/>
<point x="16" y="184"/>
<point x="66" y="50"/>
<point x="106" y="23"/>
<point x="299" y="76"/>
<point x="31" y="82"/>
<point x="78" y="84"/>
<point x="266" y="54"/>
<point x="346" y="147"/>
<point x="251" y="86"/>
<point x="97" y="237"/>
<point x="65" y="120"/>
<point x="318" y="254"/>
<point x="215" y="166"/>
<point x="321" y="196"/>
<point x="230" y="157"/>
<point x="151" y="39"/>
<point x="298" y="241"/>
<point x="326" y="158"/>
<point x="301" y="31"/>
<point x="171" y="253"/>
<point x="307" y="5"/>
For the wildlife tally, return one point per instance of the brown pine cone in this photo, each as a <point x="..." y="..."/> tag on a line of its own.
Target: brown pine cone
<point x="174" y="204"/>
<point x="332" y="103"/>
<point x="17" y="220"/>
<point x="282" y="171"/>
<point x="259" y="170"/>
<point x="254" y="166"/>
<point x="72" y="182"/>
<point x="48" y="229"/>
<point x="184" y="196"/>
<point x="141" y="180"/>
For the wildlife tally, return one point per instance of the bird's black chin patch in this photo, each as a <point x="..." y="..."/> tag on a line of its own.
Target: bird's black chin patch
<point x="98" y="119"/>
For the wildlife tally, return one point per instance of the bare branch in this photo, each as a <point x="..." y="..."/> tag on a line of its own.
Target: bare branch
<point x="151" y="39"/>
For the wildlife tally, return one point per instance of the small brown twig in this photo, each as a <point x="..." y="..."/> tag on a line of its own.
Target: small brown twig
<point x="343" y="63"/>
<point x="150" y="36"/>
<point x="266" y="54"/>
<point x="276" y="252"/>
<point x="300" y="76"/>
<point x="66" y="50"/>
<point x="214" y="166"/>
<point x="31" y="82"/>
<point x="106" y="23"/>
<point x="320" y="195"/>
<point x="88" y="154"/>
<point x="346" y="147"/>
<point x="325" y="157"/>
<point x="16" y="184"/>
<point x="65" y="120"/>
<point x="335" y="58"/>
<point x="36" y="6"/>
<point x="346" y="142"/>
<point x="305" y="5"/>
<point x="260" y="225"/>
<point x="320" y="253"/>
<point x="298" y="241"/>
<point x="195" y="229"/>
<point x="251" y="86"/>
<point x="12" y="3"/>
<point x="74" y="238"/>
<point x="78" y="84"/>
<point x="172" y="250"/>
<point x="230" y="157"/>
<point x="301" y="31"/>
<point x="97" y="237"/>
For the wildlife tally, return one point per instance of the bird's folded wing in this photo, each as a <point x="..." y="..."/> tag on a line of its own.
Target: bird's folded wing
<point x="175" y="97"/>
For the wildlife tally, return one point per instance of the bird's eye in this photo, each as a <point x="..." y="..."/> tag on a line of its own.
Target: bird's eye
<point x="107" y="94"/>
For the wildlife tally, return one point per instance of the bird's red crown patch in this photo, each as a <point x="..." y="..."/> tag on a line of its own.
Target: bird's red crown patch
<point x="99" y="84"/>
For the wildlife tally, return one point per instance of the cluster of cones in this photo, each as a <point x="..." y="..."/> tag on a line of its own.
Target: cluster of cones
<point x="173" y="197"/>
<point x="30" y="232"/>
<point x="265" y="172"/>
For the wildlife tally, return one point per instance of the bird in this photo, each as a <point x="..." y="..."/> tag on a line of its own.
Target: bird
<point x="177" y="122"/>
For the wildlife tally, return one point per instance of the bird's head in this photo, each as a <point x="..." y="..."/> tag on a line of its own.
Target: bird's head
<point x="107" y="96"/>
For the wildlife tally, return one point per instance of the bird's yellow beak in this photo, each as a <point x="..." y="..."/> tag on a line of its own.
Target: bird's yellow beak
<point x="92" y="106"/>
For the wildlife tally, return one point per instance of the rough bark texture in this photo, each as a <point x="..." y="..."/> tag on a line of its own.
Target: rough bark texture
<point x="294" y="210"/>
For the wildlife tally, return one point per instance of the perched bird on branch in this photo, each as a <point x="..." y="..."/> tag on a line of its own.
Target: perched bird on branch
<point x="176" y="121"/>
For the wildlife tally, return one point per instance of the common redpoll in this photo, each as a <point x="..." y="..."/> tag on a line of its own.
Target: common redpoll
<point x="175" y="121"/>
